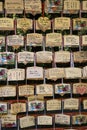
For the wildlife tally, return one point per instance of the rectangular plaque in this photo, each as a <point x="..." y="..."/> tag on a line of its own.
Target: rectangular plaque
<point x="6" y="24"/>
<point x="8" y="91"/>
<point x="71" y="40"/>
<point x="35" y="97"/>
<point x="85" y="104"/>
<point x="34" y="39"/>
<point x="3" y="108"/>
<point x="73" y="73"/>
<point x="84" y="40"/>
<point x="84" y="5"/>
<point x="3" y="73"/>
<point x="1" y="6"/>
<point x="44" y="120"/>
<point x="15" y="74"/>
<point x="9" y="120"/>
<point x="26" y="90"/>
<point x="15" y="6"/>
<point x="62" y="23"/>
<point x="27" y="121"/>
<point x="2" y="41"/>
<point x="44" y="57"/>
<point x="54" y="104"/>
<point x="84" y="72"/>
<point x="34" y="73"/>
<point x="53" y="39"/>
<point x="62" y="56"/>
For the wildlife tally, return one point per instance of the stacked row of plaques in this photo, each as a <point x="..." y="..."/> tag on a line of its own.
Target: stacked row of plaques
<point x="43" y="65"/>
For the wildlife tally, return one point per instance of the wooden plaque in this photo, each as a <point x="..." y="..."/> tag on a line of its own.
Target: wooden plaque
<point x="44" y="89"/>
<point x="80" y="56"/>
<point x="62" y="119"/>
<point x="2" y="41"/>
<point x="79" y="23"/>
<point x="15" y="74"/>
<point x="53" y="39"/>
<point x="55" y="73"/>
<point x="33" y="7"/>
<point x="3" y="108"/>
<point x="84" y="72"/>
<point x="84" y="5"/>
<point x="14" y="7"/>
<point x="34" y="73"/>
<point x="9" y="120"/>
<point x="34" y="39"/>
<point x="25" y="57"/>
<point x="35" y="97"/>
<point x="73" y="73"/>
<point x="1" y="6"/>
<point x="84" y="40"/>
<point x="53" y="104"/>
<point x="85" y="104"/>
<point x="62" y="23"/>
<point x="24" y="24"/>
<point x="8" y="91"/>
<point x="71" y="104"/>
<point x="80" y="88"/>
<point x="71" y="40"/>
<point x="44" y="120"/>
<point x="62" y="56"/>
<point x="3" y="73"/>
<point x="44" y="57"/>
<point x="6" y="24"/>
<point x="18" y="107"/>
<point x="27" y="121"/>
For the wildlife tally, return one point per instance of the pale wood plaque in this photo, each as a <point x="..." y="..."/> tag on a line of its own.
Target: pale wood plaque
<point x="62" y="56"/>
<point x="62" y="23"/>
<point x="73" y="73"/>
<point x="71" y="40"/>
<point x="15" y="74"/>
<point x="14" y="7"/>
<point x="53" y="104"/>
<point x="6" y="24"/>
<point x="34" y="73"/>
<point x="26" y="90"/>
<point x="34" y="39"/>
<point x="2" y="41"/>
<point x="53" y="39"/>
<point x="44" y="89"/>
<point x="44" y="120"/>
<point x="27" y="121"/>
<point x="44" y="57"/>
<point x="71" y="104"/>
<point x="84" y="40"/>
<point x="84" y="5"/>
<point x="62" y="119"/>
<point x="84" y="72"/>
<point x="85" y="104"/>
<point x="1" y="6"/>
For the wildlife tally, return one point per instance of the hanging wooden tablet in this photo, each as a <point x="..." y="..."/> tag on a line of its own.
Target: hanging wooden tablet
<point x="1" y="7"/>
<point x="62" y="119"/>
<point x="62" y="56"/>
<point x="71" y="40"/>
<point x="84" y="5"/>
<point x="44" y="89"/>
<point x="73" y="73"/>
<point x="79" y="23"/>
<point x="53" y="105"/>
<point x="8" y="121"/>
<point x="85" y="104"/>
<point x="62" y="89"/>
<point x="71" y="6"/>
<point x="8" y="91"/>
<point x="25" y="57"/>
<point x="84" y="72"/>
<point x="44" y="57"/>
<point x="33" y="7"/>
<point x="27" y="121"/>
<point x="15" y="41"/>
<point x="80" y="88"/>
<point x="79" y="119"/>
<point x="84" y="40"/>
<point x="3" y="73"/>
<point x="34" y="39"/>
<point x="71" y="103"/>
<point x="6" y="23"/>
<point x="34" y="73"/>
<point x="44" y="120"/>
<point x="53" y="6"/>
<point x="3" y="108"/>
<point x="80" y="56"/>
<point x="55" y="73"/>
<point x="2" y="41"/>
<point x="15" y="74"/>
<point x="53" y="39"/>
<point x="43" y="23"/>
<point x="24" y="24"/>
<point x="62" y="23"/>
<point x="18" y="107"/>
<point x="14" y="7"/>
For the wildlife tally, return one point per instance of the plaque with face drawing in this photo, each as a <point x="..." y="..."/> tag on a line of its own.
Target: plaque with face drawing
<point x="3" y="73"/>
<point x="3" y="108"/>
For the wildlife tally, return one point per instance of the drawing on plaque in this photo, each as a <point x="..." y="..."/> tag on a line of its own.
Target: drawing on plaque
<point x="79" y="119"/>
<point x="3" y="73"/>
<point x="53" y="6"/>
<point x="3" y="107"/>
